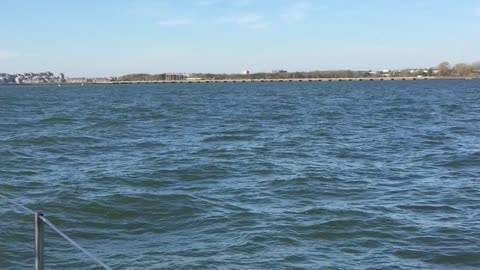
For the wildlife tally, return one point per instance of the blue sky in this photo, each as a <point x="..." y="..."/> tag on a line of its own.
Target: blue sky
<point x="115" y="37"/>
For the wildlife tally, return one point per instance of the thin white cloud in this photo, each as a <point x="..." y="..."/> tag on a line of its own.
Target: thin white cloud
<point x="7" y="55"/>
<point x="177" y="22"/>
<point x="253" y="21"/>
<point x="236" y="3"/>
<point x="207" y="2"/>
<point x="296" y="13"/>
<point x="149" y="9"/>
<point x="243" y="3"/>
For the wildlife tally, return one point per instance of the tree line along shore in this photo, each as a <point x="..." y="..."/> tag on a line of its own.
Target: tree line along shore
<point x="443" y="70"/>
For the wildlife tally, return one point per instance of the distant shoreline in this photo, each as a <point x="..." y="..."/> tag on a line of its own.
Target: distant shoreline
<point x="363" y="79"/>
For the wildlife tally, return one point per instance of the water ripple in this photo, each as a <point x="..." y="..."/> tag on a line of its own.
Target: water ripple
<point x="371" y="175"/>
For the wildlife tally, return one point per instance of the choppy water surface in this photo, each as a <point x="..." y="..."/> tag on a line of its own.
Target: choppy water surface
<point x="366" y="175"/>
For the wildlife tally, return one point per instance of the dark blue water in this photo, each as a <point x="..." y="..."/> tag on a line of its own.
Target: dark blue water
<point x="352" y="175"/>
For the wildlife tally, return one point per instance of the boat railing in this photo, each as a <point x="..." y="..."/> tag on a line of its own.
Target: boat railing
<point x="39" y="226"/>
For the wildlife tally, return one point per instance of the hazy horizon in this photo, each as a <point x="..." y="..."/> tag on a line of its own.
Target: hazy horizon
<point x="114" y="38"/>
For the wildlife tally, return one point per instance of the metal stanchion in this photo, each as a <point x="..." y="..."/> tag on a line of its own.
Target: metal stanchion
<point x="40" y="222"/>
<point x="39" y="236"/>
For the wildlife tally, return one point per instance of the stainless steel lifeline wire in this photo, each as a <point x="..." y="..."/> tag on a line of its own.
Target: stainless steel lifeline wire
<point x="29" y="211"/>
<point x="57" y="230"/>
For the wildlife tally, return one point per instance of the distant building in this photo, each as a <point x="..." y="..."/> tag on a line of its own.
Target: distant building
<point x="175" y="76"/>
<point x="281" y="71"/>
<point x="19" y="80"/>
<point x="246" y="72"/>
<point x="76" y="80"/>
<point x="28" y="78"/>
